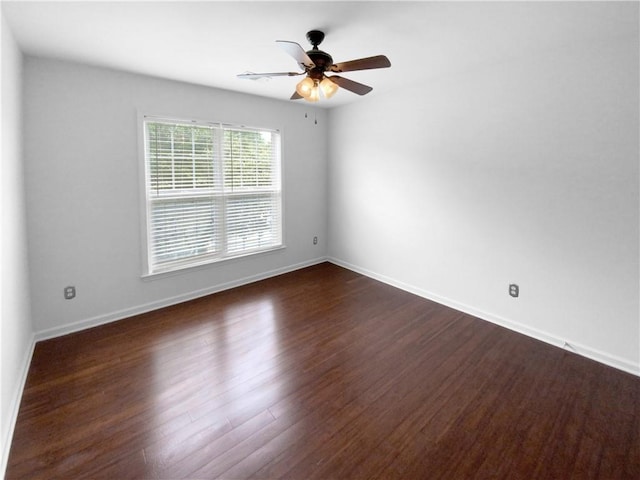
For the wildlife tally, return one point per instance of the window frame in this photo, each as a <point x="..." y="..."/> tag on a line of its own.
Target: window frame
<point x="148" y="272"/>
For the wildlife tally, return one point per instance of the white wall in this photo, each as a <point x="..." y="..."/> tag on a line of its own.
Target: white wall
<point x="523" y="171"/>
<point x="82" y="159"/>
<point x="16" y="331"/>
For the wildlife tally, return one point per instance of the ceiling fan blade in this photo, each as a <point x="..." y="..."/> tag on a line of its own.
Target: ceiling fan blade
<point x="379" y="61"/>
<point x="297" y="52"/>
<point x="355" y="87"/>
<point x="256" y="76"/>
<point x="296" y="96"/>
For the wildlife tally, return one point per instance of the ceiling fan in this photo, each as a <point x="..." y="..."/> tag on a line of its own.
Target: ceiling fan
<point x="315" y="63"/>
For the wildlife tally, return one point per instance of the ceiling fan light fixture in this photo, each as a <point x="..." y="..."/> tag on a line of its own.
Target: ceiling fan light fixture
<point x="305" y="87"/>
<point x="328" y="87"/>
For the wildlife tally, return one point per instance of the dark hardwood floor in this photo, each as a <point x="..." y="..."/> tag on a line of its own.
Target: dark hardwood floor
<point x="320" y="373"/>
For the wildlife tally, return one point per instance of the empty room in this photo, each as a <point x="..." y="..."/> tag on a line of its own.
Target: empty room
<point x="312" y="240"/>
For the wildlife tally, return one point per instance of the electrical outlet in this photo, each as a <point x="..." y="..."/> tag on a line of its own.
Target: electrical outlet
<point x="514" y="290"/>
<point x="69" y="292"/>
<point x="315" y="240"/>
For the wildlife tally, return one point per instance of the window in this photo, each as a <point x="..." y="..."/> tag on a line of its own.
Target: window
<point x="212" y="192"/>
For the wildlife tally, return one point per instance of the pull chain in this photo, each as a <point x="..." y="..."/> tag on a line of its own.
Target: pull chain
<point x="315" y="117"/>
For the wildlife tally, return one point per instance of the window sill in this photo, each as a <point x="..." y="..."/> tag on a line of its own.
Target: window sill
<point x="182" y="269"/>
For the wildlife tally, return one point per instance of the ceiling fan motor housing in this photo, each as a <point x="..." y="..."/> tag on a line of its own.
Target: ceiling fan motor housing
<point x="322" y="61"/>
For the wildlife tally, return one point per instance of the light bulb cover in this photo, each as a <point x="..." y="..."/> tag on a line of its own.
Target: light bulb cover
<point x="328" y="87"/>
<point x="305" y="87"/>
<point x="314" y="96"/>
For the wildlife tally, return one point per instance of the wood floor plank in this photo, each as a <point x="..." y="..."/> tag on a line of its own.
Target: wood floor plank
<point x="320" y="373"/>
<point x="181" y="458"/>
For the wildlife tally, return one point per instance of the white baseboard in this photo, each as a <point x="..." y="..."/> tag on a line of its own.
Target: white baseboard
<point x="583" y="350"/>
<point x="7" y="434"/>
<point x="166" y="302"/>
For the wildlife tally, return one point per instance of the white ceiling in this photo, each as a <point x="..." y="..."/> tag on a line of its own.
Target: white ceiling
<point x="208" y="43"/>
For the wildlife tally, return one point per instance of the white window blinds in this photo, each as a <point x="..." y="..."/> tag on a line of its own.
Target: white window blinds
<point x="212" y="192"/>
